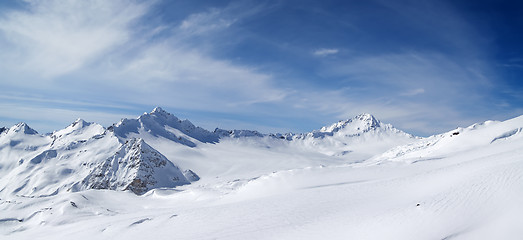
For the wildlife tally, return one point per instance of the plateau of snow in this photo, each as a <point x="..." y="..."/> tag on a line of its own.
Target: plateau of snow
<point x="157" y="176"/>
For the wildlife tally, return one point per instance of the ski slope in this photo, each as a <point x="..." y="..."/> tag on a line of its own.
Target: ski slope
<point x="328" y="184"/>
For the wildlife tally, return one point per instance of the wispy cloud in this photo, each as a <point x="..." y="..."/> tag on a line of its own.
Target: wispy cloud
<point x="419" y="92"/>
<point x="212" y="20"/>
<point x="413" y="92"/>
<point x="193" y="79"/>
<point x="325" y="52"/>
<point x="52" y="38"/>
<point x="89" y="57"/>
<point x="105" y="51"/>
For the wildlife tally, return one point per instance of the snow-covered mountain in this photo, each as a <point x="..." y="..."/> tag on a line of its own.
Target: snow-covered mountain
<point x="81" y="156"/>
<point x="131" y="154"/>
<point x="136" y="166"/>
<point x="362" y="136"/>
<point x="357" y="178"/>
<point x="483" y="135"/>
<point x="354" y="127"/>
<point x="161" y="124"/>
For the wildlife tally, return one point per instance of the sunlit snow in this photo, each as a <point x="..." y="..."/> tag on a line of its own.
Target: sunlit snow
<point x="160" y="177"/>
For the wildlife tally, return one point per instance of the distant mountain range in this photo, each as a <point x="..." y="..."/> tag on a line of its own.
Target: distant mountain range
<point x="143" y="153"/>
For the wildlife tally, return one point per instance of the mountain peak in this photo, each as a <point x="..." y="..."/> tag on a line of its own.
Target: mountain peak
<point x="369" y="118"/>
<point x="138" y="143"/>
<point x="159" y="110"/>
<point x="77" y="132"/>
<point x="24" y="128"/>
<point x="79" y="126"/>
<point x="79" y="123"/>
<point x="160" y="115"/>
<point x="136" y="166"/>
<point x="362" y="122"/>
<point x="160" y="123"/>
<point x="365" y="116"/>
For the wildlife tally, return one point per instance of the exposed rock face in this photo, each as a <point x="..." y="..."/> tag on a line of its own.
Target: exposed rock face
<point x="191" y="176"/>
<point x="136" y="166"/>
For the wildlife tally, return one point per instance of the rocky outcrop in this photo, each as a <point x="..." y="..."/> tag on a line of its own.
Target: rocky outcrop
<point x="137" y="167"/>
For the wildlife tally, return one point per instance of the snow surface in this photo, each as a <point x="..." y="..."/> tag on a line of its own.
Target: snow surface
<point x="356" y="179"/>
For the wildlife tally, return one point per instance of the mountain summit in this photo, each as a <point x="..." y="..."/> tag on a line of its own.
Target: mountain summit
<point x="361" y="123"/>
<point x="22" y="127"/>
<point x="160" y="123"/>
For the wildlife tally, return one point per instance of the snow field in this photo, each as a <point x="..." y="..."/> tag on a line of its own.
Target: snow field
<point x="467" y="185"/>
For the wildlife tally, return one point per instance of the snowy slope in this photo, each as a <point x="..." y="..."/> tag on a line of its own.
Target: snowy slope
<point x="240" y="153"/>
<point x="477" y="136"/>
<point x="244" y="153"/>
<point x="463" y="184"/>
<point x="48" y="164"/>
<point x="86" y="155"/>
<point x="81" y="156"/>
<point x="17" y="142"/>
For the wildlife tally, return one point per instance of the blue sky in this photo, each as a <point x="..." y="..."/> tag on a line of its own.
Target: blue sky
<point x="274" y="66"/>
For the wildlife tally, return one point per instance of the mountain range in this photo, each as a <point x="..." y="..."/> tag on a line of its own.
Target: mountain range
<point x="123" y="156"/>
<point x="157" y="176"/>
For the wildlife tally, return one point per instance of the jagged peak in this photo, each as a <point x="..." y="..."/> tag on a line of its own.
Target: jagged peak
<point x="24" y="128"/>
<point x="362" y="122"/>
<point x="80" y="129"/>
<point x="138" y="167"/>
<point x="79" y="123"/>
<point x="138" y="142"/>
<point x="79" y="120"/>
<point x="157" y="123"/>
<point x="159" y="110"/>
<point x="369" y="118"/>
<point x="365" y="117"/>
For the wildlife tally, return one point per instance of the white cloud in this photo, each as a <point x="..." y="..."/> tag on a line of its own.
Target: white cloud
<point x="212" y="20"/>
<point x="413" y="92"/>
<point x="414" y="117"/>
<point x="385" y="85"/>
<point x="195" y="79"/>
<point x="393" y="72"/>
<point x="52" y="38"/>
<point x="325" y="51"/>
<point x="217" y="19"/>
<point x="104" y="50"/>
